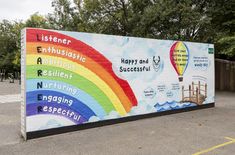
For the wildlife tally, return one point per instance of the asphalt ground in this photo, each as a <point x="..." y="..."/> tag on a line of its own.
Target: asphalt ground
<point x="208" y="131"/>
<point x="9" y="88"/>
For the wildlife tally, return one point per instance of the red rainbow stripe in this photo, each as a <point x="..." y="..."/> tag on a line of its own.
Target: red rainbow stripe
<point x="35" y="35"/>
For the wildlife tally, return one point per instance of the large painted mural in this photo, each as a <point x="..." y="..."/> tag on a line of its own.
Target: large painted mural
<point x="72" y="78"/>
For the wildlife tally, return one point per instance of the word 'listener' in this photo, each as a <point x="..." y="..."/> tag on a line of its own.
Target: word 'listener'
<point x="54" y="39"/>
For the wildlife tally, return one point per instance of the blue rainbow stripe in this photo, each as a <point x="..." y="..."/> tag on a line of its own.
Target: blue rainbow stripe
<point x="80" y="95"/>
<point x="33" y="110"/>
<point x="77" y="105"/>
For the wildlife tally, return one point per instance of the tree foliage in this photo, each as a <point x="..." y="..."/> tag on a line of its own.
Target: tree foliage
<point x="211" y="21"/>
<point x="9" y="43"/>
<point x="38" y="21"/>
<point x="223" y="23"/>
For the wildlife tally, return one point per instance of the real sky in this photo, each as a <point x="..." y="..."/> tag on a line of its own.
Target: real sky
<point x="22" y="9"/>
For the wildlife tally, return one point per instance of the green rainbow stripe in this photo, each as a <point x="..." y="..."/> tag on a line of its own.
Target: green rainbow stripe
<point x="84" y="72"/>
<point x="76" y="80"/>
<point x="89" y="52"/>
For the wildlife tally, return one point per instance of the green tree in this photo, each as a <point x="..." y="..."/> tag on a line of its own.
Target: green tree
<point x="170" y="19"/>
<point x="16" y="61"/>
<point x="9" y="44"/>
<point x="37" y="21"/>
<point x="210" y="21"/>
<point x="62" y="17"/>
<point x="164" y="19"/>
<point x="223" y="23"/>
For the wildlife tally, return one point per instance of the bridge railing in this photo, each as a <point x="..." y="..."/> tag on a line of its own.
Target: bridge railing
<point x="194" y="91"/>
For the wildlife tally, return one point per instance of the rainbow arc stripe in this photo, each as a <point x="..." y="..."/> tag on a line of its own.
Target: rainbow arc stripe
<point x="85" y="73"/>
<point x="31" y="111"/>
<point x="86" y="50"/>
<point x="77" y="81"/>
<point x="77" y="105"/>
<point x="79" y="95"/>
<point x="94" y="77"/>
<point x="91" y="65"/>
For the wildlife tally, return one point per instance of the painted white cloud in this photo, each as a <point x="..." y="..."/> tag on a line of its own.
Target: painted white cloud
<point x="94" y="119"/>
<point x="142" y="108"/>
<point x="43" y="121"/>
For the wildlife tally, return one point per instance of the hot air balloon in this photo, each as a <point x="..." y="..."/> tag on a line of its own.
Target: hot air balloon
<point x="179" y="56"/>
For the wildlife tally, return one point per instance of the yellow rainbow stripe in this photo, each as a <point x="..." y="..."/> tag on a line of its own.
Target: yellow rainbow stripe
<point x="82" y="71"/>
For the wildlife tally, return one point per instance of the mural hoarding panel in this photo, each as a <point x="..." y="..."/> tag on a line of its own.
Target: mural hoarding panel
<point x="72" y="78"/>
